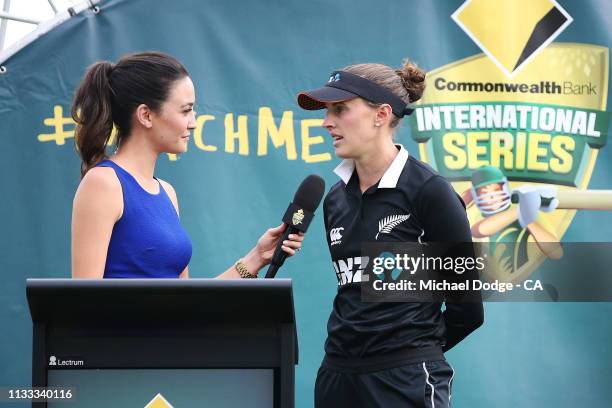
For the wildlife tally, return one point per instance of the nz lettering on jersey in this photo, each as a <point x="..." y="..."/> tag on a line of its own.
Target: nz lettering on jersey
<point x="350" y="270"/>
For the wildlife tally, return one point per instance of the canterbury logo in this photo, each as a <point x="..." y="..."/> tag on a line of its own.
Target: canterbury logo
<point x="388" y="223"/>
<point x="334" y="235"/>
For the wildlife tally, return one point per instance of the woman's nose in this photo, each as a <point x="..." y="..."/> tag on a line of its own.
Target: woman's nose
<point x="192" y="122"/>
<point x="327" y="122"/>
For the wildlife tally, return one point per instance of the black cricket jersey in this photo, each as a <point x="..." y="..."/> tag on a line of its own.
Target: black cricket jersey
<point x="420" y="206"/>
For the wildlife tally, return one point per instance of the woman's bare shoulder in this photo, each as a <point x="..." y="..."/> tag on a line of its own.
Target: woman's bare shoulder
<point x="100" y="180"/>
<point x="100" y="191"/>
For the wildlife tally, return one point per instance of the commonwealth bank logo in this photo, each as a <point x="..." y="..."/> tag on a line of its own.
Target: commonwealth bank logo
<point x="512" y="32"/>
<point x="518" y="137"/>
<point x="158" y="402"/>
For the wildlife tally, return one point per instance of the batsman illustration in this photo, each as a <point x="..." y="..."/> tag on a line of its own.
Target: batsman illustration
<point x="512" y="219"/>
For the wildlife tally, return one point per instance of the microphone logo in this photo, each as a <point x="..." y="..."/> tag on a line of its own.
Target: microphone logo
<point x="298" y="217"/>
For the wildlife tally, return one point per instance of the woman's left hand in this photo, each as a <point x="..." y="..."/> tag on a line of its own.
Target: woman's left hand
<point x="269" y="240"/>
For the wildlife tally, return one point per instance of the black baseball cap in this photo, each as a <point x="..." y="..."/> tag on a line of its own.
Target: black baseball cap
<point x="343" y="86"/>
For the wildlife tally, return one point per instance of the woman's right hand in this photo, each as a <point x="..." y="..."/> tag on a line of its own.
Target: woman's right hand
<point x="267" y="243"/>
<point x="262" y="253"/>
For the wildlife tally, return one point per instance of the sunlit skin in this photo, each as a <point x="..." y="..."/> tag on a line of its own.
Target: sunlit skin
<point x="154" y="132"/>
<point x="98" y="202"/>
<point x="362" y="133"/>
<point x="176" y="119"/>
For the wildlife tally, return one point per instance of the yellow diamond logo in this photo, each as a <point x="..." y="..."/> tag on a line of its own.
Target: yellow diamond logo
<point x="158" y="402"/>
<point x="512" y="32"/>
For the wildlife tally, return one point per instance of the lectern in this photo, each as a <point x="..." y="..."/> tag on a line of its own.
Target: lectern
<point x="164" y="342"/>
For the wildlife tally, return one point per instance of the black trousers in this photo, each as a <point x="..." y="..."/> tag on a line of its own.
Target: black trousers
<point x="419" y="385"/>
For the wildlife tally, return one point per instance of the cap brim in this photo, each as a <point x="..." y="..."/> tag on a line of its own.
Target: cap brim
<point x="317" y="98"/>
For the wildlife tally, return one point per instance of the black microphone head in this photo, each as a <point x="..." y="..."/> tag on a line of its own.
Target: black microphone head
<point x="298" y="216"/>
<point x="310" y="193"/>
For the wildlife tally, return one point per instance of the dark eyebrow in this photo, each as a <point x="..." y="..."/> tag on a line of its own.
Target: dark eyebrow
<point x="190" y="104"/>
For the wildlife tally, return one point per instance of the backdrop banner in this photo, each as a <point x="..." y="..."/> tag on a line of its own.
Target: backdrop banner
<point x="516" y="102"/>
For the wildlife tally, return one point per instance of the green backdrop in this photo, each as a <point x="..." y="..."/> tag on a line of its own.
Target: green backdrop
<point x="252" y="148"/>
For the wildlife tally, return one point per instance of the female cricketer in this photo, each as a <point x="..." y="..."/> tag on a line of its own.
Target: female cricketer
<point x="385" y="354"/>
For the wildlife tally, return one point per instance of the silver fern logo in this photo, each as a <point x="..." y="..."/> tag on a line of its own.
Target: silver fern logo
<point x="387" y="224"/>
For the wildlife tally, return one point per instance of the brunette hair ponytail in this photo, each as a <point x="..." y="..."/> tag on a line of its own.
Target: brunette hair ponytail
<point x="109" y="94"/>
<point x="92" y="112"/>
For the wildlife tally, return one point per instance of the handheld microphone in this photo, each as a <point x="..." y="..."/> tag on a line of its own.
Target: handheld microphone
<point x="298" y="216"/>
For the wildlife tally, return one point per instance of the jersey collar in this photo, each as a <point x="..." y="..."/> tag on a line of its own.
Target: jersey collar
<point x="389" y="180"/>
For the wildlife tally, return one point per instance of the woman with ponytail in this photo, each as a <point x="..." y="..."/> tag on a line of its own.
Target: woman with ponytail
<point x="385" y="354"/>
<point x="125" y="221"/>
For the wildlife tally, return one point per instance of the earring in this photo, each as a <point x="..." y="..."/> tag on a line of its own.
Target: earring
<point x="377" y="124"/>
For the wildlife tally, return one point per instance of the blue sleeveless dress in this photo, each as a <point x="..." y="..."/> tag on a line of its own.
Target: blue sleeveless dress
<point x="148" y="241"/>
